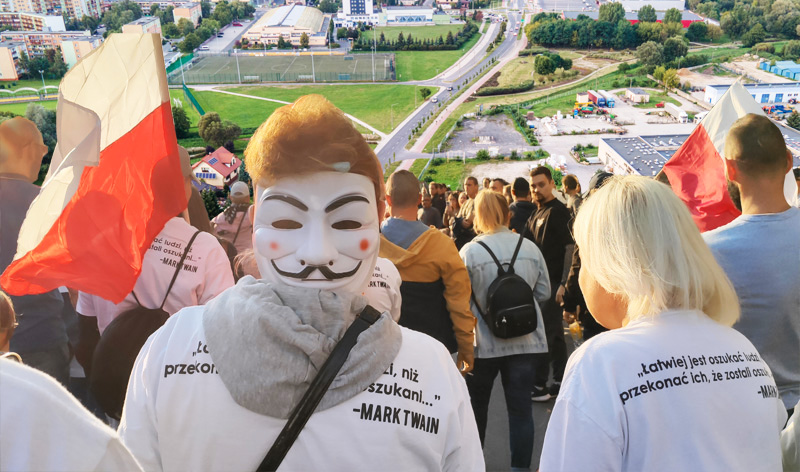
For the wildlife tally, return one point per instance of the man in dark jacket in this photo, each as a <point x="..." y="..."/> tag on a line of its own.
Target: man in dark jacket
<point x="549" y="229"/>
<point x="522" y="208"/>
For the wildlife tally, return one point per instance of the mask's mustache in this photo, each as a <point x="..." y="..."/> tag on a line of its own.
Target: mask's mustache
<point x="324" y="270"/>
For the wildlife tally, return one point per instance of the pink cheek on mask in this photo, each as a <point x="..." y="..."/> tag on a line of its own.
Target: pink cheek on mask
<point x="364" y="245"/>
<point x="274" y="246"/>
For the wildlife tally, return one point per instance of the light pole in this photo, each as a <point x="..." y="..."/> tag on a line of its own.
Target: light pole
<point x="391" y="109"/>
<point x="44" y="90"/>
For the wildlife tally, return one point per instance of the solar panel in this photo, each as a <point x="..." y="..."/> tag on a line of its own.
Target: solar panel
<point x="213" y="160"/>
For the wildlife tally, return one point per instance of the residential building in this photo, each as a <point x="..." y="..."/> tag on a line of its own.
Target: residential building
<point x="687" y="17"/>
<point x="74" y="49"/>
<point x="145" y="24"/>
<point x="637" y="95"/>
<point x="190" y="11"/>
<point x="658" y="5"/>
<point x="74" y="8"/>
<point x="10" y="52"/>
<point x="220" y="168"/>
<point x="762" y="93"/>
<point x="290" y="22"/>
<point x="23" y="21"/>
<point x="357" y="7"/>
<point x="408" y="15"/>
<point x="72" y="44"/>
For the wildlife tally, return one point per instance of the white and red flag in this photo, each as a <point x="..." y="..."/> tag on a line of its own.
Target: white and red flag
<point x="114" y="180"/>
<point x="696" y="171"/>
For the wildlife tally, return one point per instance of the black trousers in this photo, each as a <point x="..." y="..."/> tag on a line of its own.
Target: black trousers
<point x="552" y="314"/>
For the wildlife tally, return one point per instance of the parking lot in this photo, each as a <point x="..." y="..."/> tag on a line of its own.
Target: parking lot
<point x="230" y="34"/>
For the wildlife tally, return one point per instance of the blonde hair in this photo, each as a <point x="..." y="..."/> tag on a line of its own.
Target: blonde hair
<point x="491" y="211"/>
<point x="638" y="241"/>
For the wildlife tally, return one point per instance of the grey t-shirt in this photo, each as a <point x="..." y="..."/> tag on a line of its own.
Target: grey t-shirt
<point x="761" y="255"/>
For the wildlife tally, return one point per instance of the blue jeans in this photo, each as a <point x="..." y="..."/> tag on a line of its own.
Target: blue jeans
<point x="516" y="374"/>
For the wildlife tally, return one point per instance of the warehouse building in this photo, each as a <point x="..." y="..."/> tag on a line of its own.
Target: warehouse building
<point x="290" y="22"/>
<point x="763" y="93"/>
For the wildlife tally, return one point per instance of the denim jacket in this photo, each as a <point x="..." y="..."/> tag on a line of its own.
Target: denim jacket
<point x="482" y="270"/>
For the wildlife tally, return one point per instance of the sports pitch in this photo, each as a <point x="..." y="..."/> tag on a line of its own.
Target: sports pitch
<point x="286" y="68"/>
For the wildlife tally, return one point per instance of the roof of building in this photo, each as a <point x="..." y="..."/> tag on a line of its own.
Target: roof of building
<point x="292" y="16"/>
<point x="222" y="161"/>
<point x="638" y="91"/>
<point x="145" y="20"/>
<point x="629" y="15"/>
<point x="759" y="86"/>
<point x="409" y="9"/>
<point x="188" y="5"/>
<point x="648" y="154"/>
<point x="59" y="33"/>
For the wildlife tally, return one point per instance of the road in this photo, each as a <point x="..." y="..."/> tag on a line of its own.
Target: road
<point x="393" y="147"/>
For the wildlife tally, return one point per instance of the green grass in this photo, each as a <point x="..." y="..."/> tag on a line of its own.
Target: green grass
<point x="389" y="169"/>
<point x="417" y="166"/>
<point x="720" y="52"/>
<point x="245" y="112"/>
<point x="419" y="32"/>
<point x="423" y="65"/>
<point x="19" y="108"/>
<point x="369" y="103"/>
<point x="33" y="83"/>
<point x="194" y="117"/>
<point x="450" y="173"/>
<point x="657" y="97"/>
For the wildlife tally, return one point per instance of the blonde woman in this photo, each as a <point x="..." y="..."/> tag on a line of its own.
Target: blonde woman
<point x="672" y="386"/>
<point x="512" y="358"/>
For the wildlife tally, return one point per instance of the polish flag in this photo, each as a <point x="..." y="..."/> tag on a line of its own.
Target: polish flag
<point x="114" y="180"/>
<point x="696" y="171"/>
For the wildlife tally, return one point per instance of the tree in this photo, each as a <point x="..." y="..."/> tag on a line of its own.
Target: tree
<point x="611" y="12"/>
<point x="283" y="44"/>
<point x="181" y="121"/>
<point x="205" y="9"/>
<point x="210" y="201"/>
<point x="154" y="9"/>
<point x="674" y="48"/>
<point x="650" y="53"/>
<point x="215" y="132"/>
<point x="45" y="120"/>
<point x="341" y="33"/>
<point x="793" y="120"/>
<point x="189" y="43"/>
<point x="57" y="67"/>
<point x="736" y="21"/>
<point x="755" y="35"/>
<point x="543" y="65"/>
<point x="791" y="50"/>
<point x="713" y="32"/>
<point x="697" y="31"/>
<point x="327" y="6"/>
<point x="185" y="26"/>
<point x="647" y="14"/>
<point x="658" y="73"/>
<point x="425" y="92"/>
<point x="673" y="15"/>
<point x="671" y="79"/>
<point x="304" y="41"/>
<point x="121" y="13"/>
<point x="223" y="13"/>
<point x="170" y="30"/>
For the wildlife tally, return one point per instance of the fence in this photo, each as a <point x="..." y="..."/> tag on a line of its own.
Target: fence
<point x="193" y="100"/>
<point x="180" y="62"/>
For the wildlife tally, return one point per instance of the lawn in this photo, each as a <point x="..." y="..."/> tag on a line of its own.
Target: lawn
<point x="423" y="65"/>
<point x="382" y="106"/>
<point x="658" y="97"/>
<point x="19" y="108"/>
<point x="717" y="53"/>
<point x="418" y="32"/>
<point x="245" y="112"/>
<point x="451" y="173"/>
<point x="33" y="83"/>
<point x="177" y="94"/>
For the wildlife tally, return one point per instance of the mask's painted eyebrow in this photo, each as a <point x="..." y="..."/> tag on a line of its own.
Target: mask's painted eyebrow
<point x="285" y="198"/>
<point x="341" y="201"/>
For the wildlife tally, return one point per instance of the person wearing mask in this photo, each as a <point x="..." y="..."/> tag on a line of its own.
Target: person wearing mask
<point x="672" y="386"/>
<point x="41" y="338"/>
<point x="235" y="224"/>
<point x="549" y="229"/>
<point x="429" y="215"/>
<point x="522" y="208"/>
<point x="435" y="289"/>
<point x="512" y="358"/>
<point x="755" y="248"/>
<point x="251" y="353"/>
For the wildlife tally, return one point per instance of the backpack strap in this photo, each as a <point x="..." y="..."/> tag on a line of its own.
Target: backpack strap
<point x="302" y="412"/>
<point x="500" y="270"/>
<point x="244" y="215"/>
<point x="177" y="270"/>
<point x="516" y="252"/>
<point x="136" y="298"/>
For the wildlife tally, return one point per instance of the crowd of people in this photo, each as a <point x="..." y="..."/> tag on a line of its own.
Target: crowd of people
<point x="687" y="344"/>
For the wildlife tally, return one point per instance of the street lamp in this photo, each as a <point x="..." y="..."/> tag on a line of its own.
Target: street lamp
<point x="44" y="91"/>
<point x="391" y="109"/>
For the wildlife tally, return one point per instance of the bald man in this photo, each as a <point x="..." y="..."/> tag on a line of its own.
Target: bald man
<point x="759" y="250"/>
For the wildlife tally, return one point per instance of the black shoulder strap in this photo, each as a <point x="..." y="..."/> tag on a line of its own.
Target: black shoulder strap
<point x="500" y="270"/>
<point x="302" y="412"/>
<point x="177" y="270"/>
<point x="244" y="215"/>
<point x="516" y="252"/>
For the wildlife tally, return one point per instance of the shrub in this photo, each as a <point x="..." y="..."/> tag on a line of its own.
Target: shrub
<point x="523" y="87"/>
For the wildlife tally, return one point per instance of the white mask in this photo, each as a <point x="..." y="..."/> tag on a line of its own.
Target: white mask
<point x="317" y="231"/>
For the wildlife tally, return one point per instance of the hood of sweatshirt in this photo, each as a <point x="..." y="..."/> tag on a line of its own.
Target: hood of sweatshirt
<point x="269" y="340"/>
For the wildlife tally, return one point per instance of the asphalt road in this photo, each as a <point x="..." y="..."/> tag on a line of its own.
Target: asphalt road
<point x="394" y="147"/>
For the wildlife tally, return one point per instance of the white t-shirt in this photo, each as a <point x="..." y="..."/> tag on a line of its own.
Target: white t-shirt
<point x="206" y="273"/>
<point x="383" y="290"/>
<point x="180" y="416"/>
<point x="677" y="392"/>
<point x="43" y="427"/>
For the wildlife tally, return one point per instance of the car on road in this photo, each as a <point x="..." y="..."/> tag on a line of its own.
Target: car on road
<point x="236" y="23"/>
<point x="220" y="35"/>
<point x="434" y="100"/>
<point x="450" y="89"/>
<point x="204" y="48"/>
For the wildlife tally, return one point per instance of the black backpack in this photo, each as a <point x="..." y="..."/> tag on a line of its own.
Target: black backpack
<point x="511" y="309"/>
<point x="120" y="344"/>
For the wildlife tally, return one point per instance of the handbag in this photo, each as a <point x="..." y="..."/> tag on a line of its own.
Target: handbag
<point x="303" y="411"/>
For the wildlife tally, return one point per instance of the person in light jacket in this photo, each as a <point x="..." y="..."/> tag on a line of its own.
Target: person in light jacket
<point x="513" y="358"/>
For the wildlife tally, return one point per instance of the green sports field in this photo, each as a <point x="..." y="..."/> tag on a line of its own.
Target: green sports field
<point x="286" y="68"/>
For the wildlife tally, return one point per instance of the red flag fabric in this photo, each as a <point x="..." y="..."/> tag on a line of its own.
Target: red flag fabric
<point x="115" y="178"/>
<point x="696" y="171"/>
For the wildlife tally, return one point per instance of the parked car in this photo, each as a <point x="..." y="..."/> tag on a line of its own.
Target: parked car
<point x="449" y="89"/>
<point x="660" y="105"/>
<point x="236" y="23"/>
<point x="434" y="100"/>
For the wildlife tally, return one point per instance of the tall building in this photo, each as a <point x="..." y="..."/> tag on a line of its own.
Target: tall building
<point x="357" y="7"/>
<point x="19" y="21"/>
<point x="190" y="11"/>
<point x="145" y="24"/>
<point x="10" y="52"/>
